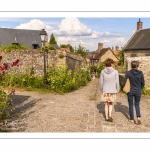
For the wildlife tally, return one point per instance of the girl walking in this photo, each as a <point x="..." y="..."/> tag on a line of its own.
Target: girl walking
<point x="109" y="86"/>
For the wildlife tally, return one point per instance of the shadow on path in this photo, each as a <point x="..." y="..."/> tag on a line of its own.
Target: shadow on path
<point x="122" y="108"/>
<point x="101" y="108"/>
<point x="22" y="103"/>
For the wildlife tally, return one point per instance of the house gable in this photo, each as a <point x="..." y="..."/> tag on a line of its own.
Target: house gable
<point x="109" y="54"/>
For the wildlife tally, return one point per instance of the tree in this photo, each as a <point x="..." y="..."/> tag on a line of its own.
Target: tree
<point x="121" y="55"/>
<point x="81" y="50"/>
<point x="52" y="39"/>
<point x="67" y="46"/>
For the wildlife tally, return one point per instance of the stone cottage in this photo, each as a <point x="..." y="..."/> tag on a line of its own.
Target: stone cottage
<point x="138" y="48"/>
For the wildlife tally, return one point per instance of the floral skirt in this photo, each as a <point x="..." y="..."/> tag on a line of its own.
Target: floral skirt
<point x="108" y="97"/>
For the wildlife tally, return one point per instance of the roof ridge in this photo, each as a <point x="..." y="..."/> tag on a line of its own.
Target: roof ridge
<point x="130" y="39"/>
<point x="21" y="29"/>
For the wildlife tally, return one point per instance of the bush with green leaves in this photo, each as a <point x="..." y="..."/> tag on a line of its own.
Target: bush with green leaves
<point x="6" y="105"/>
<point x="61" y="79"/>
<point x="47" y="48"/>
<point x="100" y="68"/>
<point x="61" y="56"/>
<point x="10" y="47"/>
<point x="146" y="91"/>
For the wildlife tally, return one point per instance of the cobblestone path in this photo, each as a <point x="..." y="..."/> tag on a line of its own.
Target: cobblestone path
<point x="78" y="111"/>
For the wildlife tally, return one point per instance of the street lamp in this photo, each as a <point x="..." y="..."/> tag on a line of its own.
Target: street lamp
<point x="43" y="36"/>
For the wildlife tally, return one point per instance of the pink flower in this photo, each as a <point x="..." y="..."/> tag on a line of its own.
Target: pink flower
<point x="1" y="68"/>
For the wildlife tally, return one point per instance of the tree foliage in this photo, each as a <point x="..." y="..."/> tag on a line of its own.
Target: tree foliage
<point x="52" y="39"/>
<point x="121" y="60"/>
<point x="10" y="47"/>
<point x="67" y="46"/>
<point x="81" y="50"/>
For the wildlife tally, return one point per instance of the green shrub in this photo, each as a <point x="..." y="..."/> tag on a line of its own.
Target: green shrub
<point x="10" y="47"/>
<point x="146" y="91"/>
<point x="6" y="104"/>
<point x="61" y="56"/>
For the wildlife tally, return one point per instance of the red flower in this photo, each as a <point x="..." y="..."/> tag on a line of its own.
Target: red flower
<point x="15" y="63"/>
<point x="5" y="66"/>
<point x="1" y="58"/>
<point x="9" y="104"/>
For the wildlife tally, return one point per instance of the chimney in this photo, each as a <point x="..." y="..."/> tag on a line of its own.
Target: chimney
<point x="139" y="25"/>
<point x="112" y="48"/>
<point x="100" y="46"/>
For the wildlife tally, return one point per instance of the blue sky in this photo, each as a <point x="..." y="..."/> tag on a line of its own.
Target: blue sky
<point x="111" y="31"/>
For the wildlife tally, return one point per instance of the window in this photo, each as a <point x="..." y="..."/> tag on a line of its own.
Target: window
<point x="147" y="54"/>
<point x="133" y="55"/>
<point x="15" y="44"/>
<point x="35" y="46"/>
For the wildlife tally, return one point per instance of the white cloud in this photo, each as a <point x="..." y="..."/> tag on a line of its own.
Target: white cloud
<point x="104" y="41"/>
<point x="72" y="26"/>
<point x="34" y="24"/>
<point x="97" y="34"/>
<point x="69" y="40"/>
<point x="120" y="40"/>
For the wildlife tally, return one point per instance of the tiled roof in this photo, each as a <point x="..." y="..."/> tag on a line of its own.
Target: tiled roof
<point x="116" y="52"/>
<point x="21" y="36"/>
<point x="65" y="49"/>
<point x="55" y="45"/>
<point x="140" y="41"/>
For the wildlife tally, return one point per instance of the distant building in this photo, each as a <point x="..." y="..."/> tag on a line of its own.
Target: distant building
<point x="101" y="54"/>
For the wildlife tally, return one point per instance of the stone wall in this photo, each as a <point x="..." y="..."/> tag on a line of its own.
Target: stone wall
<point x="33" y="59"/>
<point x="144" y="66"/>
